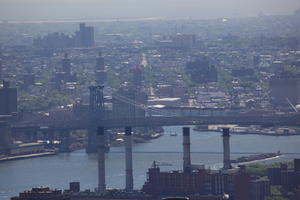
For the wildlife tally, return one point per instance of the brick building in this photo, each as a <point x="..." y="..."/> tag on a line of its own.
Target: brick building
<point x="288" y="178"/>
<point x="236" y="182"/>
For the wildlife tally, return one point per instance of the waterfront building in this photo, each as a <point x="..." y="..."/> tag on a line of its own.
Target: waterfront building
<point x="75" y="186"/>
<point x="237" y="184"/>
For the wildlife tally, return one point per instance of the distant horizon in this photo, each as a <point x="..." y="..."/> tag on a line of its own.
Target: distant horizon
<point x="59" y="10"/>
<point x="136" y="19"/>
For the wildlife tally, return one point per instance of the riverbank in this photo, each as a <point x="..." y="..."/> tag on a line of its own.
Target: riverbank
<point x="251" y="130"/>
<point x="27" y="156"/>
<point x="115" y="138"/>
<point x="57" y="171"/>
<point x="119" y="141"/>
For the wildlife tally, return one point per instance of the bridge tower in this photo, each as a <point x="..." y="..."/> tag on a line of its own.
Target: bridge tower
<point x="96" y="113"/>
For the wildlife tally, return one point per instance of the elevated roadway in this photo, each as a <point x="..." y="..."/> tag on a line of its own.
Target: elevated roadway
<point x="75" y="123"/>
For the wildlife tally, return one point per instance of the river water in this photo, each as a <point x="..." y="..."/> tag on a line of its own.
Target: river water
<point x="57" y="171"/>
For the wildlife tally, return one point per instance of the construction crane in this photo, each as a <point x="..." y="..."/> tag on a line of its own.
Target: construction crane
<point x="290" y="103"/>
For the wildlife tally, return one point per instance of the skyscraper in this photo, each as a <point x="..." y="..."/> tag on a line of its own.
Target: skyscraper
<point x="85" y="36"/>
<point x="285" y="87"/>
<point x="101" y="75"/>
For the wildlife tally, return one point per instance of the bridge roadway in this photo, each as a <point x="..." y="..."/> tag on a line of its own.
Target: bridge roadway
<point x="75" y="124"/>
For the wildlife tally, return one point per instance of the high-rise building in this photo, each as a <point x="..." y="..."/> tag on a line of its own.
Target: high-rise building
<point x="8" y="99"/>
<point x="184" y="41"/>
<point x="85" y="36"/>
<point x="285" y="87"/>
<point x="137" y="77"/>
<point x="101" y="74"/>
<point x="66" y="65"/>
<point x="64" y="73"/>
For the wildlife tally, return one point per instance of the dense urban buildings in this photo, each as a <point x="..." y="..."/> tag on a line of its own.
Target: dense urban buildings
<point x="82" y="38"/>
<point x="67" y="89"/>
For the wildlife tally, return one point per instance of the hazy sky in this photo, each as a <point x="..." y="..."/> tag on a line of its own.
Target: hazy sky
<point x="84" y="9"/>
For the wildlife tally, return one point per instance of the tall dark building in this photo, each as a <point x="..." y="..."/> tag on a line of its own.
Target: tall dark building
<point x="101" y="75"/>
<point x="64" y="73"/>
<point x="100" y="62"/>
<point x="66" y="65"/>
<point x="285" y="86"/>
<point x="137" y="76"/>
<point x="85" y="35"/>
<point x="8" y="99"/>
<point x="201" y="71"/>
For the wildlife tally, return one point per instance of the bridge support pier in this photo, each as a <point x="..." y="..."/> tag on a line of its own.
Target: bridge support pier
<point x="5" y="137"/>
<point x="226" y="149"/>
<point x="65" y="140"/>
<point x="128" y="159"/>
<point x="92" y="140"/>
<point x="101" y="159"/>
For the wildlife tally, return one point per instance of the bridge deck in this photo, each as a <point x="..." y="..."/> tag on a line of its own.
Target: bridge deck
<point x="280" y="120"/>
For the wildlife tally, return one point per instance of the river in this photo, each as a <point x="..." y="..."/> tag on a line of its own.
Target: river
<point x="57" y="171"/>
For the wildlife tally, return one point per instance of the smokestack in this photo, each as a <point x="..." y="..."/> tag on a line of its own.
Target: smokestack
<point x="186" y="150"/>
<point x="128" y="159"/>
<point x="101" y="159"/>
<point x="226" y="149"/>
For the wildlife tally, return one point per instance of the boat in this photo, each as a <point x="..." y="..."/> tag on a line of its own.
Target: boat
<point x="173" y="134"/>
<point x="256" y="157"/>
